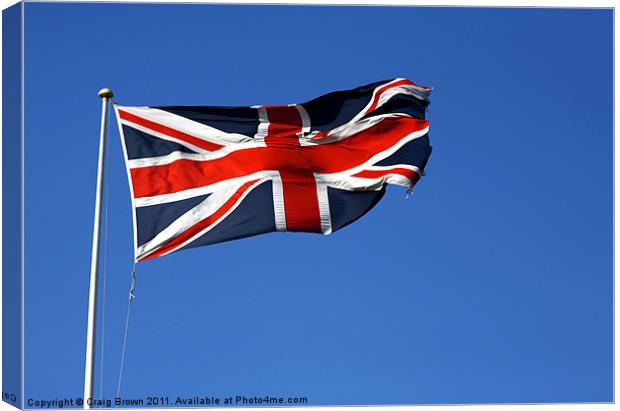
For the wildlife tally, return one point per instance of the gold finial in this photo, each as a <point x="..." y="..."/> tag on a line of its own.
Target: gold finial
<point x="106" y="93"/>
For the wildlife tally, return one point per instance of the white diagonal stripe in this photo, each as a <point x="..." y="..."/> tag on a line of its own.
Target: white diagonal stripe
<point x="203" y="210"/>
<point x="385" y="168"/>
<point x="372" y="99"/>
<point x="407" y="89"/>
<point x="347" y="130"/>
<point x="365" y="184"/>
<point x="163" y="136"/>
<point x="180" y="155"/>
<point x="185" y="125"/>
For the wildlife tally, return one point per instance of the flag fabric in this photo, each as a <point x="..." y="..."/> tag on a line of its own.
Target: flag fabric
<point x="205" y="174"/>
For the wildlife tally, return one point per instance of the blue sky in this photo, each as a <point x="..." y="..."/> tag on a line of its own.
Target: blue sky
<point x="492" y="283"/>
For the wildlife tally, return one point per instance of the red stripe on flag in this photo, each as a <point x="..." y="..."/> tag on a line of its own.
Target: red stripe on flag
<point x="405" y="172"/>
<point x="301" y="202"/>
<point x="361" y="147"/>
<point x="383" y="89"/>
<point x="328" y="158"/>
<point x="184" y="174"/>
<point x="284" y="124"/>
<point x="170" y="132"/>
<point x="202" y="224"/>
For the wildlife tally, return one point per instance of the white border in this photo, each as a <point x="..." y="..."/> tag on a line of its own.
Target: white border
<point x="133" y="202"/>
<point x="472" y="3"/>
<point x="23" y="206"/>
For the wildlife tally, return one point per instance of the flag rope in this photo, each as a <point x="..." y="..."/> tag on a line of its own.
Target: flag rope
<point x="124" y="349"/>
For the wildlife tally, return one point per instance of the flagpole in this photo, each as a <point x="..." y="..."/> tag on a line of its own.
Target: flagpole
<point x="89" y="369"/>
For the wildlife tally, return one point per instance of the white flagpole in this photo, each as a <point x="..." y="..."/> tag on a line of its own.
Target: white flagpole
<point x="89" y="369"/>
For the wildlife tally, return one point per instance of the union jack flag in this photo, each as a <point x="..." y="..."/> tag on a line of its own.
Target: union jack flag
<point x="203" y="175"/>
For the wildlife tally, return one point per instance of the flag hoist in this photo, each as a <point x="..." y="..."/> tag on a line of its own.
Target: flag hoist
<point x="89" y="370"/>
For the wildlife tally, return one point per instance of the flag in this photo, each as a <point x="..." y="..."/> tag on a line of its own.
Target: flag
<point x="200" y="175"/>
